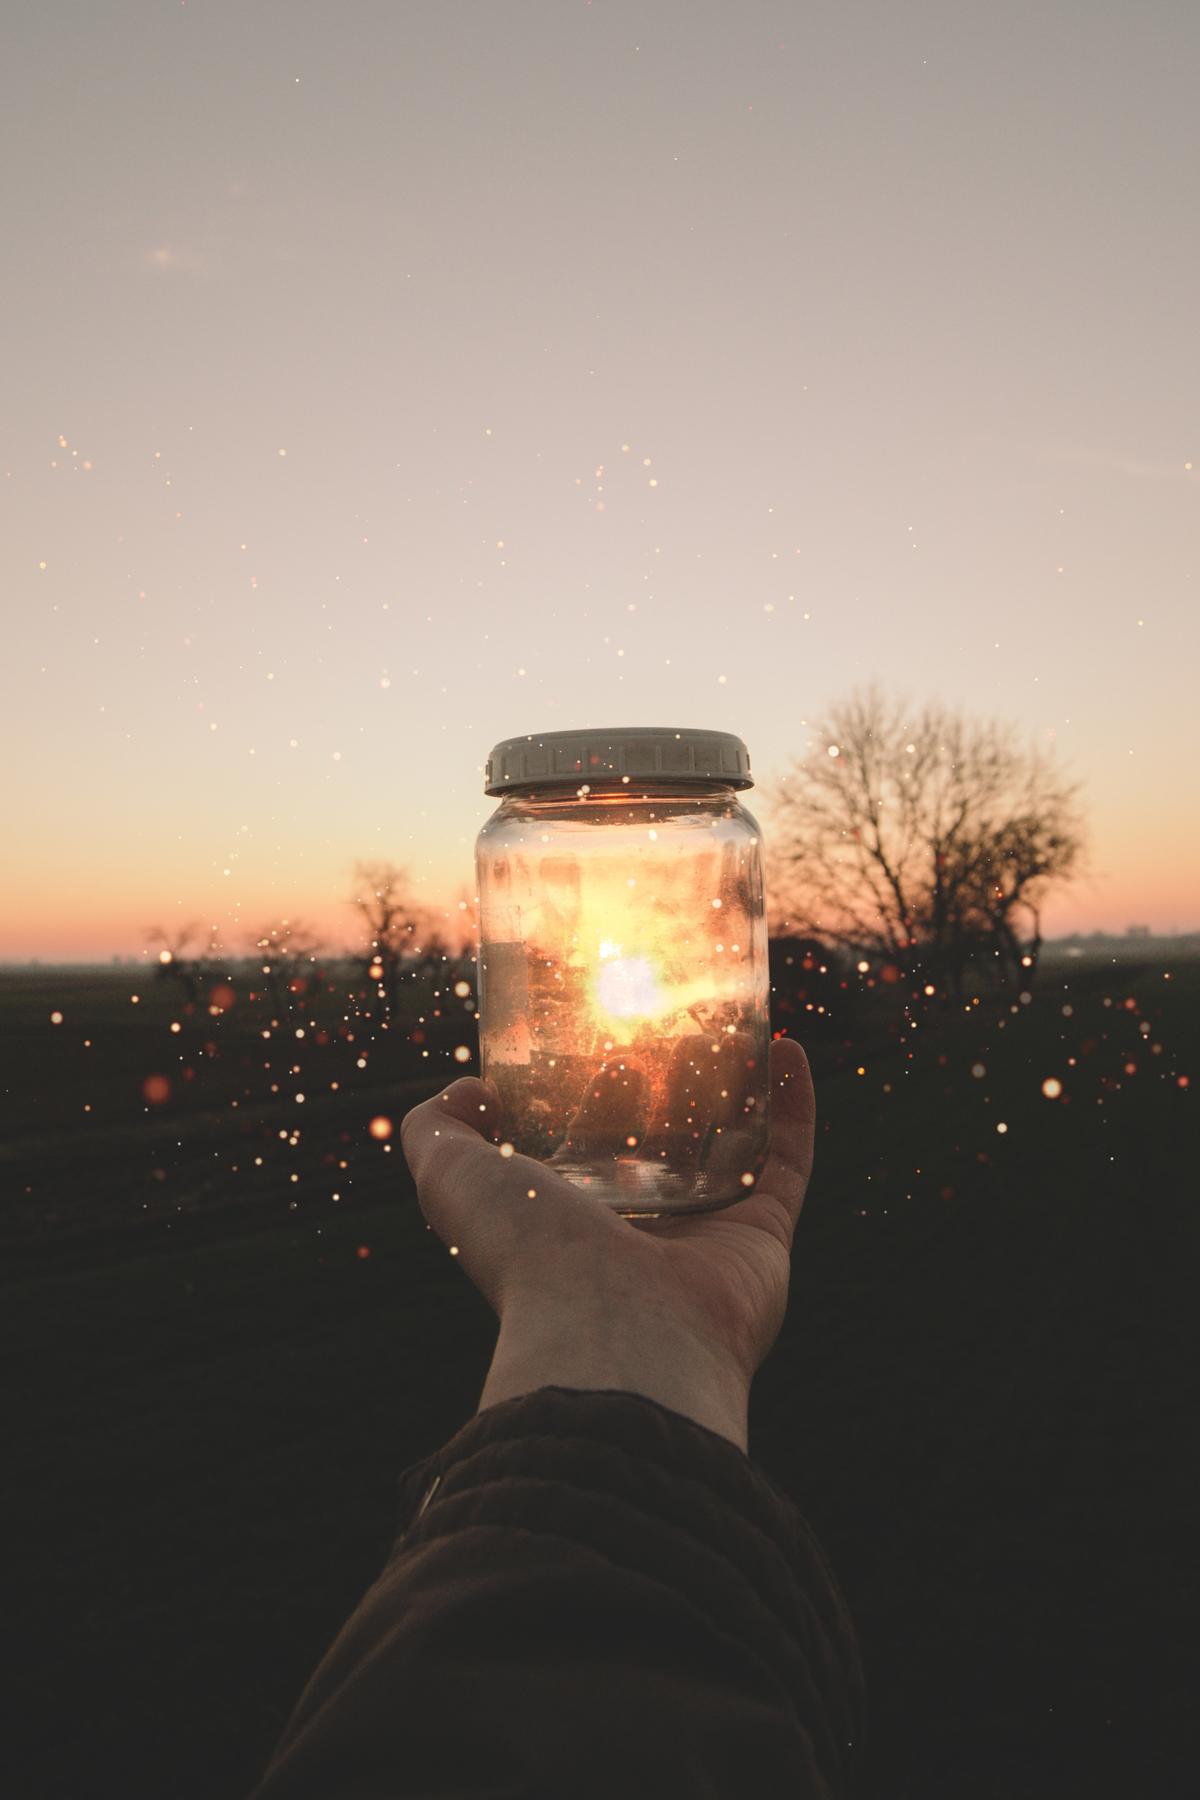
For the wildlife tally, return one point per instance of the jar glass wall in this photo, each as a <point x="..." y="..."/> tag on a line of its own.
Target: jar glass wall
<point x="624" y="989"/>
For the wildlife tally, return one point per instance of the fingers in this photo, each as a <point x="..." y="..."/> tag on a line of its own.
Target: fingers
<point x="606" y="1124"/>
<point x="450" y="1142"/>
<point x="793" y="1126"/>
<point x="703" y="1097"/>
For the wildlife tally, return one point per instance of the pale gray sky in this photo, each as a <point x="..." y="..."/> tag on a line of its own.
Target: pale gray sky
<point x="679" y="364"/>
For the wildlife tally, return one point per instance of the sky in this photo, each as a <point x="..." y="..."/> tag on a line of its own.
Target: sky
<point x="384" y="380"/>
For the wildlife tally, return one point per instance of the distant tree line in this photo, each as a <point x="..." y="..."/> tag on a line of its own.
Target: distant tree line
<point x="926" y="845"/>
<point x="402" y="945"/>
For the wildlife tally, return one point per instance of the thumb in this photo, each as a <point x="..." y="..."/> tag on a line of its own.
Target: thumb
<point x="468" y="1104"/>
<point x="494" y="1208"/>
<point x="449" y="1145"/>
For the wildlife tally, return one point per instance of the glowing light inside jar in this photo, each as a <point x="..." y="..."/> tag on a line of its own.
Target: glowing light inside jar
<point x="637" y="987"/>
<point x="628" y="986"/>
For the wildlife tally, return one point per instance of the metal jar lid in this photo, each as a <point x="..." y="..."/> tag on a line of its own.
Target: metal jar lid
<point x="569" y="759"/>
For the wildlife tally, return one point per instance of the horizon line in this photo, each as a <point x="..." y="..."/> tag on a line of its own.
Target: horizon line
<point x="1128" y="937"/>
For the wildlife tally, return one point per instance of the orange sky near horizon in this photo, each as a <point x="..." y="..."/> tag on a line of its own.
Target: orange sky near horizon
<point x="1151" y="882"/>
<point x="468" y="373"/>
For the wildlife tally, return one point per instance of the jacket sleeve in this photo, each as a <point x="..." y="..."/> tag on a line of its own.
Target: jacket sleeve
<point x="591" y="1596"/>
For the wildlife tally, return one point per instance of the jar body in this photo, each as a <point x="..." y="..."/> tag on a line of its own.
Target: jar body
<point x="624" y="990"/>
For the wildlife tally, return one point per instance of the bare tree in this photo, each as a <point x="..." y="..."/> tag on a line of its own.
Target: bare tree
<point x="181" y="956"/>
<point x="393" y="923"/>
<point x="930" y="843"/>
<point x="287" y="952"/>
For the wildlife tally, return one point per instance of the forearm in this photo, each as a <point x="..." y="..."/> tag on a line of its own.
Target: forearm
<point x="590" y="1597"/>
<point x="601" y="1348"/>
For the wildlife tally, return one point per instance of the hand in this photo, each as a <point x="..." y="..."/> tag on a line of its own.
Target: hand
<point x="693" y="1116"/>
<point x="682" y="1309"/>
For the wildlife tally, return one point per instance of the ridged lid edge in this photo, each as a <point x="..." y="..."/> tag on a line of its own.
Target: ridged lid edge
<point x="645" y="753"/>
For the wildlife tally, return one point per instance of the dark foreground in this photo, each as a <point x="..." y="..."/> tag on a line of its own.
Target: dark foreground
<point x="984" y="1398"/>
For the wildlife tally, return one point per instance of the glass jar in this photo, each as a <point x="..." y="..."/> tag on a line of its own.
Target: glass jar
<point x="623" y="983"/>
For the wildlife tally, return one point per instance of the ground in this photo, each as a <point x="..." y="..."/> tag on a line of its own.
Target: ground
<point x="983" y="1399"/>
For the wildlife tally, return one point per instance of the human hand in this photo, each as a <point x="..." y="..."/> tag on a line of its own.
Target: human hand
<point x="698" y="1116"/>
<point x="683" y="1309"/>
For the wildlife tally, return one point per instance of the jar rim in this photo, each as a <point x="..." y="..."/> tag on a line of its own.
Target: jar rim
<point x="666" y="788"/>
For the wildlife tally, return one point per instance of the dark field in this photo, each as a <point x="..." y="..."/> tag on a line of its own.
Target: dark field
<point x="984" y="1399"/>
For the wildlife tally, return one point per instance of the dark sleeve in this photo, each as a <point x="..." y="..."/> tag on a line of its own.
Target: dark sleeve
<point x="591" y="1596"/>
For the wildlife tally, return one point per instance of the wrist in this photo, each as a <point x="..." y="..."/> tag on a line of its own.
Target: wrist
<point x="594" y="1347"/>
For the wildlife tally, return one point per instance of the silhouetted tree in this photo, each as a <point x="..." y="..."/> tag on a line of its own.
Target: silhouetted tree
<point x="393" y="923"/>
<point x="434" y="956"/>
<point x="180" y="958"/>
<point x="287" y="954"/>
<point x="928" y="843"/>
